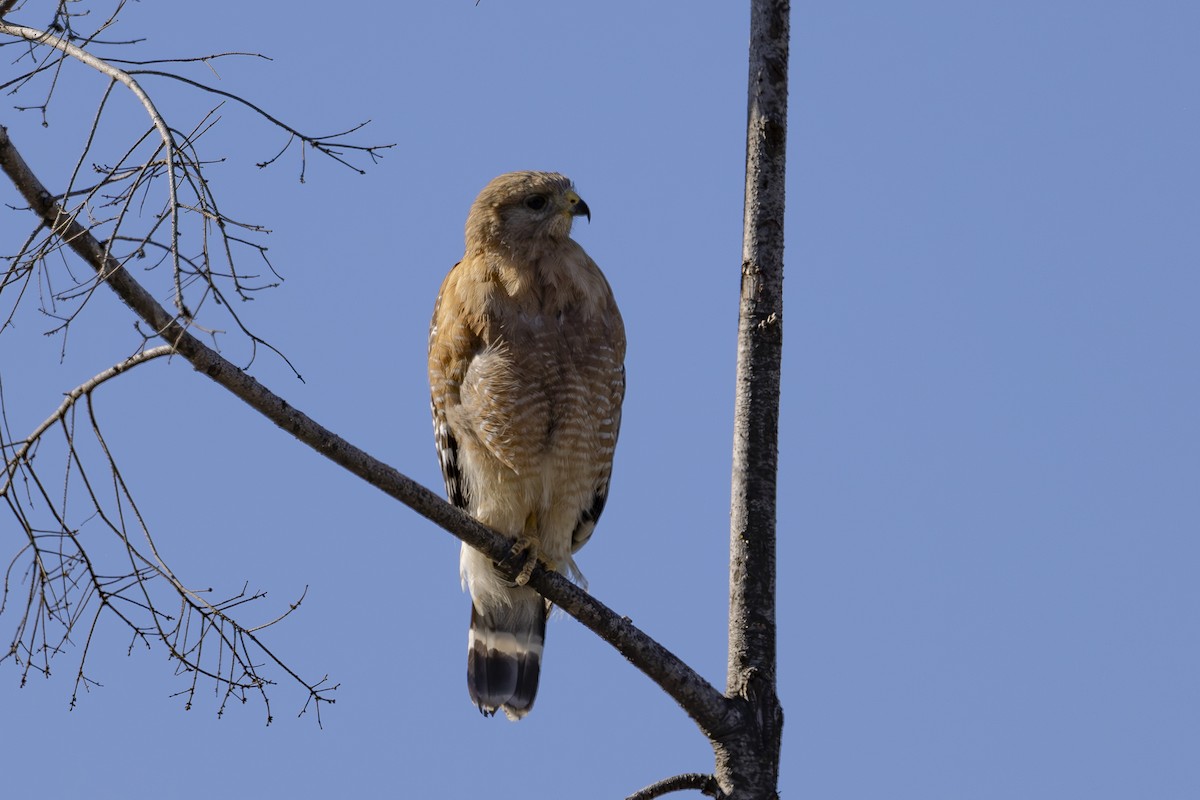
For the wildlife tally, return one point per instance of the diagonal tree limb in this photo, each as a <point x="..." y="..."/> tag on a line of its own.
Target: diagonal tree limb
<point x="712" y="712"/>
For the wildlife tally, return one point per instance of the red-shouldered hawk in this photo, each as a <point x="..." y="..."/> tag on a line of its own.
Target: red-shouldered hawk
<point x="526" y="370"/>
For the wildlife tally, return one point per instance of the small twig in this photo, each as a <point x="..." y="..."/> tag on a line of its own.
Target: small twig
<point x="72" y="397"/>
<point x="705" y="784"/>
<point x="324" y="144"/>
<point x="193" y="59"/>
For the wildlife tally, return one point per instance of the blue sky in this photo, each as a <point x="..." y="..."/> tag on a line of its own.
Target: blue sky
<point x="989" y="448"/>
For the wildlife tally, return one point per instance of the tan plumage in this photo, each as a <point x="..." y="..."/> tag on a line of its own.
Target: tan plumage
<point x="526" y="370"/>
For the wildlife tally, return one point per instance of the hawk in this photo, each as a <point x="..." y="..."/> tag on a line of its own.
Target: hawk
<point x="526" y="372"/>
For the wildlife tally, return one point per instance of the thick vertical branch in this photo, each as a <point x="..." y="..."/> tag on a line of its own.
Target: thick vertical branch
<point x="748" y="764"/>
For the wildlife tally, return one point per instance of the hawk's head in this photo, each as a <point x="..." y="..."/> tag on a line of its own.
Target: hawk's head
<point x="519" y="209"/>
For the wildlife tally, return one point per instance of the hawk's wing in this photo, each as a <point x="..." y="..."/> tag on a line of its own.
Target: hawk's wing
<point x="591" y="515"/>
<point x="447" y="450"/>
<point x="445" y="377"/>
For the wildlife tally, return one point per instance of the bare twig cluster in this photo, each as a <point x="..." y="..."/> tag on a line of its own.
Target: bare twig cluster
<point x="150" y="201"/>
<point x="88" y="551"/>
<point x="142" y="197"/>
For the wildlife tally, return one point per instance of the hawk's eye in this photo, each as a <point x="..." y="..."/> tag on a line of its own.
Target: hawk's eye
<point x="535" y="201"/>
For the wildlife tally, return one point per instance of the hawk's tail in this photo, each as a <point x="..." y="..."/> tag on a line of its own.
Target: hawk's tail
<point x="504" y="654"/>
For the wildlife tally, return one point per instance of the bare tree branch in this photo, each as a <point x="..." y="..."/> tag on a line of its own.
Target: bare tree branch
<point x="326" y="144"/>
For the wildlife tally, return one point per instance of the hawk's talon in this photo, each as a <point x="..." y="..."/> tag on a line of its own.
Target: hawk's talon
<point x="521" y="560"/>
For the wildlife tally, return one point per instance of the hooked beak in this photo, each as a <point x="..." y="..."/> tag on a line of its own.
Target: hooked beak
<point x="577" y="207"/>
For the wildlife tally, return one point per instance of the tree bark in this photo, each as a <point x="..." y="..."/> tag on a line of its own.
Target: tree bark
<point x="748" y="760"/>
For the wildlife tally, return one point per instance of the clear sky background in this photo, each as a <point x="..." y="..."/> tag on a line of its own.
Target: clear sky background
<point x="989" y="495"/>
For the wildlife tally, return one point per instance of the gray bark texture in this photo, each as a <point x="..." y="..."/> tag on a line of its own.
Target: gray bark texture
<point x="748" y="760"/>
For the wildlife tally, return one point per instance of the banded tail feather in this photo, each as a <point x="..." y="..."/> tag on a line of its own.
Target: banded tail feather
<point x="504" y="655"/>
